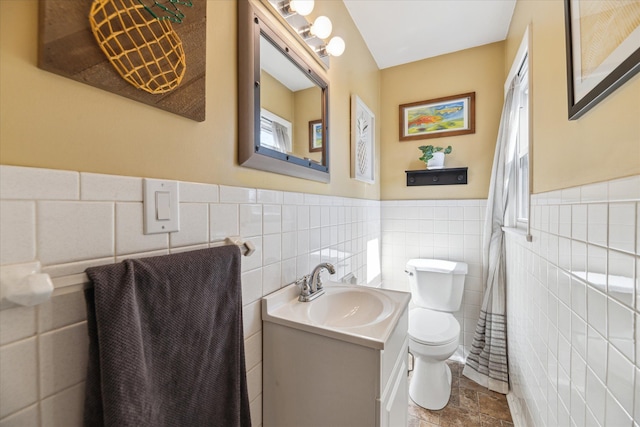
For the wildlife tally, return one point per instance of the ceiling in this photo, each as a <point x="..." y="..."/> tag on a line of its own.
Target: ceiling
<point x="282" y="68"/>
<point x="402" y="31"/>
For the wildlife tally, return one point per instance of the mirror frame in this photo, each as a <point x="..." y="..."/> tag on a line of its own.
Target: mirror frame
<point x="252" y="22"/>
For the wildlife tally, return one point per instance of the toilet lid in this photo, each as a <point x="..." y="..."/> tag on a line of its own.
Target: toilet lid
<point x="433" y="327"/>
<point x="438" y="266"/>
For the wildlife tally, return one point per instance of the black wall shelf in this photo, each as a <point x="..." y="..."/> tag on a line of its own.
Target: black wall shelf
<point x="449" y="176"/>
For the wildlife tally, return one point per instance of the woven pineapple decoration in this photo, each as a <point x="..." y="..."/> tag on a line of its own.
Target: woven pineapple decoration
<point x="362" y="154"/>
<point x="142" y="46"/>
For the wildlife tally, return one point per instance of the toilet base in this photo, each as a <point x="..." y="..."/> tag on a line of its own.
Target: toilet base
<point x="430" y="385"/>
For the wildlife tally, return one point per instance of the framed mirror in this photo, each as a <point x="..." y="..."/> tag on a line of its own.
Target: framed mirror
<point x="282" y="101"/>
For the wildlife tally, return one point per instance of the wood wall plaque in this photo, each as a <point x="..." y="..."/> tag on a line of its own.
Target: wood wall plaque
<point x="68" y="47"/>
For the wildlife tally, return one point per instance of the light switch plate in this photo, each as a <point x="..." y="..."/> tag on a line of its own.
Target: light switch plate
<point x="155" y="206"/>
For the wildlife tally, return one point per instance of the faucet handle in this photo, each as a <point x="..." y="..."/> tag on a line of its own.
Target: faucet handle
<point x="305" y="289"/>
<point x="319" y="283"/>
<point x="306" y="293"/>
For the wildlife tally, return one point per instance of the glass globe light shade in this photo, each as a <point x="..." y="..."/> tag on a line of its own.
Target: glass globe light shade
<point x="322" y="27"/>
<point x="302" y="7"/>
<point x="336" y="46"/>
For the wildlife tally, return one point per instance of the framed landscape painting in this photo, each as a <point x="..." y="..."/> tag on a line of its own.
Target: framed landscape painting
<point x="315" y="136"/>
<point x="440" y="117"/>
<point x="603" y="50"/>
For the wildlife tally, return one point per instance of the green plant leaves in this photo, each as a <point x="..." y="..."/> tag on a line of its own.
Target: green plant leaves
<point x="428" y="150"/>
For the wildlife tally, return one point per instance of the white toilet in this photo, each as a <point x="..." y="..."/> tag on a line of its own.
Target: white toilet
<point x="436" y="291"/>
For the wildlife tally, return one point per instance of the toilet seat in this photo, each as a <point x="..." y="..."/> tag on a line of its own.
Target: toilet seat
<point x="433" y="327"/>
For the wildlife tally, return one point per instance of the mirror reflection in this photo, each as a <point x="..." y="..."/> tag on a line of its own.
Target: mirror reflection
<point x="290" y="106"/>
<point x="283" y="100"/>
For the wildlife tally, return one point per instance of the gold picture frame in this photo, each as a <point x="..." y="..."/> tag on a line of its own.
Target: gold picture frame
<point x="437" y="118"/>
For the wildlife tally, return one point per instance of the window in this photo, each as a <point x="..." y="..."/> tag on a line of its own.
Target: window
<point x="522" y="147"/>
<point x="517" y="183"/>
<point x="275" y="132"/>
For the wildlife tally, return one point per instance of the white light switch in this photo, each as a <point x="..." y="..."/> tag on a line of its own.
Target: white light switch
<point x="161" y="206"/>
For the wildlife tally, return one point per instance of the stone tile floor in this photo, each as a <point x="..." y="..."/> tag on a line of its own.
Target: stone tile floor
<point x="470" y="405"/>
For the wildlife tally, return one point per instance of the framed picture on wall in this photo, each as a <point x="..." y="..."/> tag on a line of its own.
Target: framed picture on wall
<point x="315" y="136"/>
<point x="363" y="141"/>
<point x="437" y="118"/>
<point x="603" y="50"/>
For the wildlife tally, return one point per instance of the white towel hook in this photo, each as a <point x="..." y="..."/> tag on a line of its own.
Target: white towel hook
<point x="23" y="284"/>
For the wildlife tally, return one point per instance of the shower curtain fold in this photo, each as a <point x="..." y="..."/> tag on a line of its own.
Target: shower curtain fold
<point x="487" y="361"/>
<point x="281" y="137"/>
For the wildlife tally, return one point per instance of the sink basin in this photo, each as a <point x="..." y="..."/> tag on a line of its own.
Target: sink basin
<point x="357" y="314"/>
<point x="346" y="307"/>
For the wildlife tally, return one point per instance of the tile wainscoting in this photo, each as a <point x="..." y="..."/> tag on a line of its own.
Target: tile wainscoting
<point x="572" y="321"/>
<point x="70" y="221"/>
<point x="441" y="229"/>
<point x="574" y="308"/>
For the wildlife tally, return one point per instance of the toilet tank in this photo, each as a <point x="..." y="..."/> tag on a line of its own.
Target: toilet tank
<point x="437" y="284"/>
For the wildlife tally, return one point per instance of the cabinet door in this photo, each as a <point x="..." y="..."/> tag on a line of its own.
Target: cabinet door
<point x="394" y="405"/>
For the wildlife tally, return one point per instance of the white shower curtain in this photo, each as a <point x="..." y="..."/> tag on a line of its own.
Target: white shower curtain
<point x="487" y="362"/>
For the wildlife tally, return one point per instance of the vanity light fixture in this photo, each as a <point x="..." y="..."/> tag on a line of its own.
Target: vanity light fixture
<point x="335" y="47"/>
<point x="301" y="7"/>
<point x="321" y="27"/>
<point x="314" y="35"/>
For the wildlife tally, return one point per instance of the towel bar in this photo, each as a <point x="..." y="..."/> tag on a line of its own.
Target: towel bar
<point x="246" y="247"/>
<point x="24" y="285"/>
<point x="76" y="282"/>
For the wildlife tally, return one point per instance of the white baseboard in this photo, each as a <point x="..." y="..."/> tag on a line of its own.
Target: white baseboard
<point x="516" y="410"/>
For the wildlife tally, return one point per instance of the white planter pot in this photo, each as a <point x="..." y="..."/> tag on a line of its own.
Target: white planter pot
<point x="436" y="162"/>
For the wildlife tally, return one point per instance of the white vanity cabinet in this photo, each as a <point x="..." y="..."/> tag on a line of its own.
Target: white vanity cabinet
<point x="394" y="397"/>
<point x="310" y="379"/>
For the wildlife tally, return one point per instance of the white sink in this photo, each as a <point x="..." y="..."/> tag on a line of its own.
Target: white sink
<point x="349" y="307"/>
<point x="357" y="314"/>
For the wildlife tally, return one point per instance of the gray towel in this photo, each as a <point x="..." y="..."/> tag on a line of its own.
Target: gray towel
<point x="166" y="342"/>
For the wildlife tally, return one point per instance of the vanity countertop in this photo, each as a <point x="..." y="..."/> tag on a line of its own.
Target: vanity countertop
<point x="358" y="314"/>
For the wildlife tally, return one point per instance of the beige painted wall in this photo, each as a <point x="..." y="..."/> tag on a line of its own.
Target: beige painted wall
<point x="604" y="143"/>
<point x="310" y="109"/>
<point x="52" y="122"/>
<point x="478" y="70"/>
<point x="276" y="97"/>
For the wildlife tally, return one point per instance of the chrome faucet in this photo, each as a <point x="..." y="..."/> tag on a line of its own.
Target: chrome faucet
<point x="316" y="281"/>
<point x="312" y="284"/>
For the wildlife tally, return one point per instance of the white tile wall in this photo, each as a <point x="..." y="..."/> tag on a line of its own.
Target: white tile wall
<point x="110" y="187"/>
<point x="19" y="373"/>
<point x="59" y="367"/>
<point x="573" y="310"/>
<point x="17" y="220"/>
<point x="70" y="221"/>
<point x="72" y="231"/>
<point x="573" y="336"/>
<point x="441" y="229"/>
<point x="38" y="184"/>
<point x="129" y="235"/>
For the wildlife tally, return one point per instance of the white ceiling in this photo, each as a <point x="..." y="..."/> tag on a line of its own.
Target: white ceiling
<point x="282" y="68"/>
<point x="402" y="31"/>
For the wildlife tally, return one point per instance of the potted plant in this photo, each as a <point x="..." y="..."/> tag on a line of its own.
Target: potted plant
<point x="433" y="157"/>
